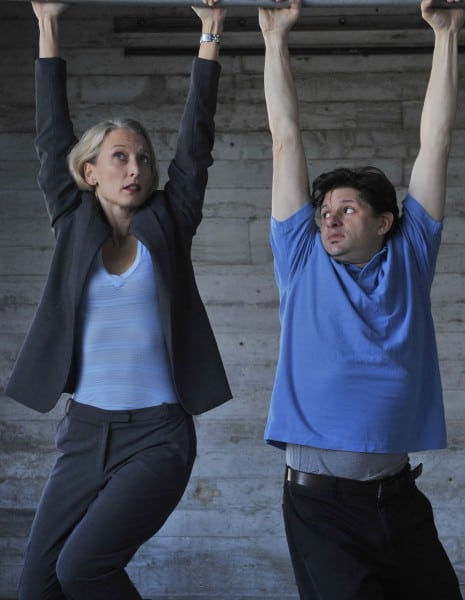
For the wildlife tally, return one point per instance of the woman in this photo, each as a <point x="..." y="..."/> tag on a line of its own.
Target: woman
<point x="120" y="326"/>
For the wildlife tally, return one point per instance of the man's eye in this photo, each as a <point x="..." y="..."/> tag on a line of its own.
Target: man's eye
<point x="349" y="210"/>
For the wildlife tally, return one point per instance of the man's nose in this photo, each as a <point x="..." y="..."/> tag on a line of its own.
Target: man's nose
<point x="333" y="220"/>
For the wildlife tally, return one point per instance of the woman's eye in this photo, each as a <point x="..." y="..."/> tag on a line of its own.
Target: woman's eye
<point x="119" y="155"/>
<point x="145" y="158"/>
<point x="349" y="210"/>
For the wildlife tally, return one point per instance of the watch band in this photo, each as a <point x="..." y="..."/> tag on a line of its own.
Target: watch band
<point x="210" y="37"/>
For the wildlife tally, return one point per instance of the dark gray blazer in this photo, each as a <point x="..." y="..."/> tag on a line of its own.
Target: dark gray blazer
<point x="165" y="224"/>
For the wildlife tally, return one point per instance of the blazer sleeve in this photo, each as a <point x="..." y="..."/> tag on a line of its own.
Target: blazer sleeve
<point x="187" y="172"/>
<point x="54" y="139"/>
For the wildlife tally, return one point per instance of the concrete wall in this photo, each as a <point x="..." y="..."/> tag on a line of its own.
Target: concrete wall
<point x="227" y="532"/>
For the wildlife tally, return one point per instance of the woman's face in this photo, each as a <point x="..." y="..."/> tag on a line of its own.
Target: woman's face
<point x="122" y="172"/>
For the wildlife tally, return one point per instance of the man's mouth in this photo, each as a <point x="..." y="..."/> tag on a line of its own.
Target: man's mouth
<point x="335" y="237"/>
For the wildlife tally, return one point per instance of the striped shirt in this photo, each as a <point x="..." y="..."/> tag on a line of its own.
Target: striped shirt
<point x="123" y="361"/>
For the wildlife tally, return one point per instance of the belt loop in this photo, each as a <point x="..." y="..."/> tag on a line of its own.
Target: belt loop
<point x="68" y="405"/>
<point x="416" y="472"/>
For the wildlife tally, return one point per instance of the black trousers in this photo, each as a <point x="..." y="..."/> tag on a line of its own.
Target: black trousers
<point x="346" y="546"/>
<point x="118" y="478"/>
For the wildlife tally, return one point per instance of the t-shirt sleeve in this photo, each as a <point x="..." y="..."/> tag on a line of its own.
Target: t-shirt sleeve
<point x="291" y="242"/>
<point x="423" y="234"/>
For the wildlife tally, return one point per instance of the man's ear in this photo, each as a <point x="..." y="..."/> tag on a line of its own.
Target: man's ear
<point x="89" y="174"/>
<point x="387" y="219"/>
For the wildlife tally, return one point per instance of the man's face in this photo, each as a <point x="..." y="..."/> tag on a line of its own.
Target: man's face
<point x="350" y="231"/>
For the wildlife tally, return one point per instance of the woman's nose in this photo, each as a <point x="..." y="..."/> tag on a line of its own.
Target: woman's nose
<point x="133" y="166"/>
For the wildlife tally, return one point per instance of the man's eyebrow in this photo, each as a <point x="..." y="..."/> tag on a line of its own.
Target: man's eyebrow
<point x="345" y="200"/>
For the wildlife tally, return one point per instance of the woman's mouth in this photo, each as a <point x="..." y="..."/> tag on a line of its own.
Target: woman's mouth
<point x="133" y="187"/>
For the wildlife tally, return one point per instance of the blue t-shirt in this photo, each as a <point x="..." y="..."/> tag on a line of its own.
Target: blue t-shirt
<point x="358" y="367"/>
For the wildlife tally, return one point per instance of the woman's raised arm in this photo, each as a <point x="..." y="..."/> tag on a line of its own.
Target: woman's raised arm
<point x="55" y="136"/>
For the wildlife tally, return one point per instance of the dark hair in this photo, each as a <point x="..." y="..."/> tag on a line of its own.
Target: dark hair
<point x="371" y="183"/>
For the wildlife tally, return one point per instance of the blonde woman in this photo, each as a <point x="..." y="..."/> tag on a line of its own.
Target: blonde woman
<point x="120" y="326"/>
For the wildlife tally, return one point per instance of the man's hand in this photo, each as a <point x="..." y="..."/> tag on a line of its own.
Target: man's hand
<point x="440" y="19"/>
<point x="279" y="19"/>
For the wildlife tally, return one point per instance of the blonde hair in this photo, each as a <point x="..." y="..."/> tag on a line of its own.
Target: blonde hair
<point x="88" y="148"/>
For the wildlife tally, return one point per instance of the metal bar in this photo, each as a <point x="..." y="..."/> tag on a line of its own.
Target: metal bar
<point x="271" y="3"/>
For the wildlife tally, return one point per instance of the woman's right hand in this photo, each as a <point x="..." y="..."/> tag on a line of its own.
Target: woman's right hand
<point x="48" y="9"/>
<point x="47" y="14"/>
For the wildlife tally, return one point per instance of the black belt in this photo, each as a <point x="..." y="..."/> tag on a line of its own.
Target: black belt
<point x="379" y="488"/>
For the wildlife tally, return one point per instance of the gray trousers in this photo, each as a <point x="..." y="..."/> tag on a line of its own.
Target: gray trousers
<point x="119" y="476"/>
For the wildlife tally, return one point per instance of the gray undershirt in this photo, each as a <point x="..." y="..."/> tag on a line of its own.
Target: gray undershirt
<point x="363" y="466"/>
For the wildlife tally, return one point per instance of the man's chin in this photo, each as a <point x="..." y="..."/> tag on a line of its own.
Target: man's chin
<point x="335" y="251"/>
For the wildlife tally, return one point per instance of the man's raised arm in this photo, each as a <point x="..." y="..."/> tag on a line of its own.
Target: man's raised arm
<point x="429" y="174"/>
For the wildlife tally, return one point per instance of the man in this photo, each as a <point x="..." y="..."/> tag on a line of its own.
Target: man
<point x="357" y="384"/>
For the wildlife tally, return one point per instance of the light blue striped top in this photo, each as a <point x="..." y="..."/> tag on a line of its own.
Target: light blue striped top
<point x="124" y="363"/>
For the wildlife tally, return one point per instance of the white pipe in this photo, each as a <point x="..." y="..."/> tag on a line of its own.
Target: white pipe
<point x="272" y="4"/>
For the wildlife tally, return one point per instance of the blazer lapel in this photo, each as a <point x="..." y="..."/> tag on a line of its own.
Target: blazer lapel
<point x="148" y="229"/>
<point x="93" y="227"/>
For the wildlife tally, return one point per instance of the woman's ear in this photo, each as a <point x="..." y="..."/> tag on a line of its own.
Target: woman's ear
<point x="89" y="174"/>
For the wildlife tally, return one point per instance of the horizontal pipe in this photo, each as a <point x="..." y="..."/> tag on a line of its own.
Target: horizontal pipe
<point x="271" y="3"/>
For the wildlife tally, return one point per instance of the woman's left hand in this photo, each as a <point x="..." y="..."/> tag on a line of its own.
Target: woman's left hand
<point x="212" y="18"/>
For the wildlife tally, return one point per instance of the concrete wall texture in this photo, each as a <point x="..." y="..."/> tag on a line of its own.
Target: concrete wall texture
<point x="226" y="539"/>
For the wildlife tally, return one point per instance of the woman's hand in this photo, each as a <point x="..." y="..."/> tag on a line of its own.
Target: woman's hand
<point x="47" y="14"/>
<point x="212" y="18"/>
<point x="212" y="23"/>
<point x="48" y="9"/>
